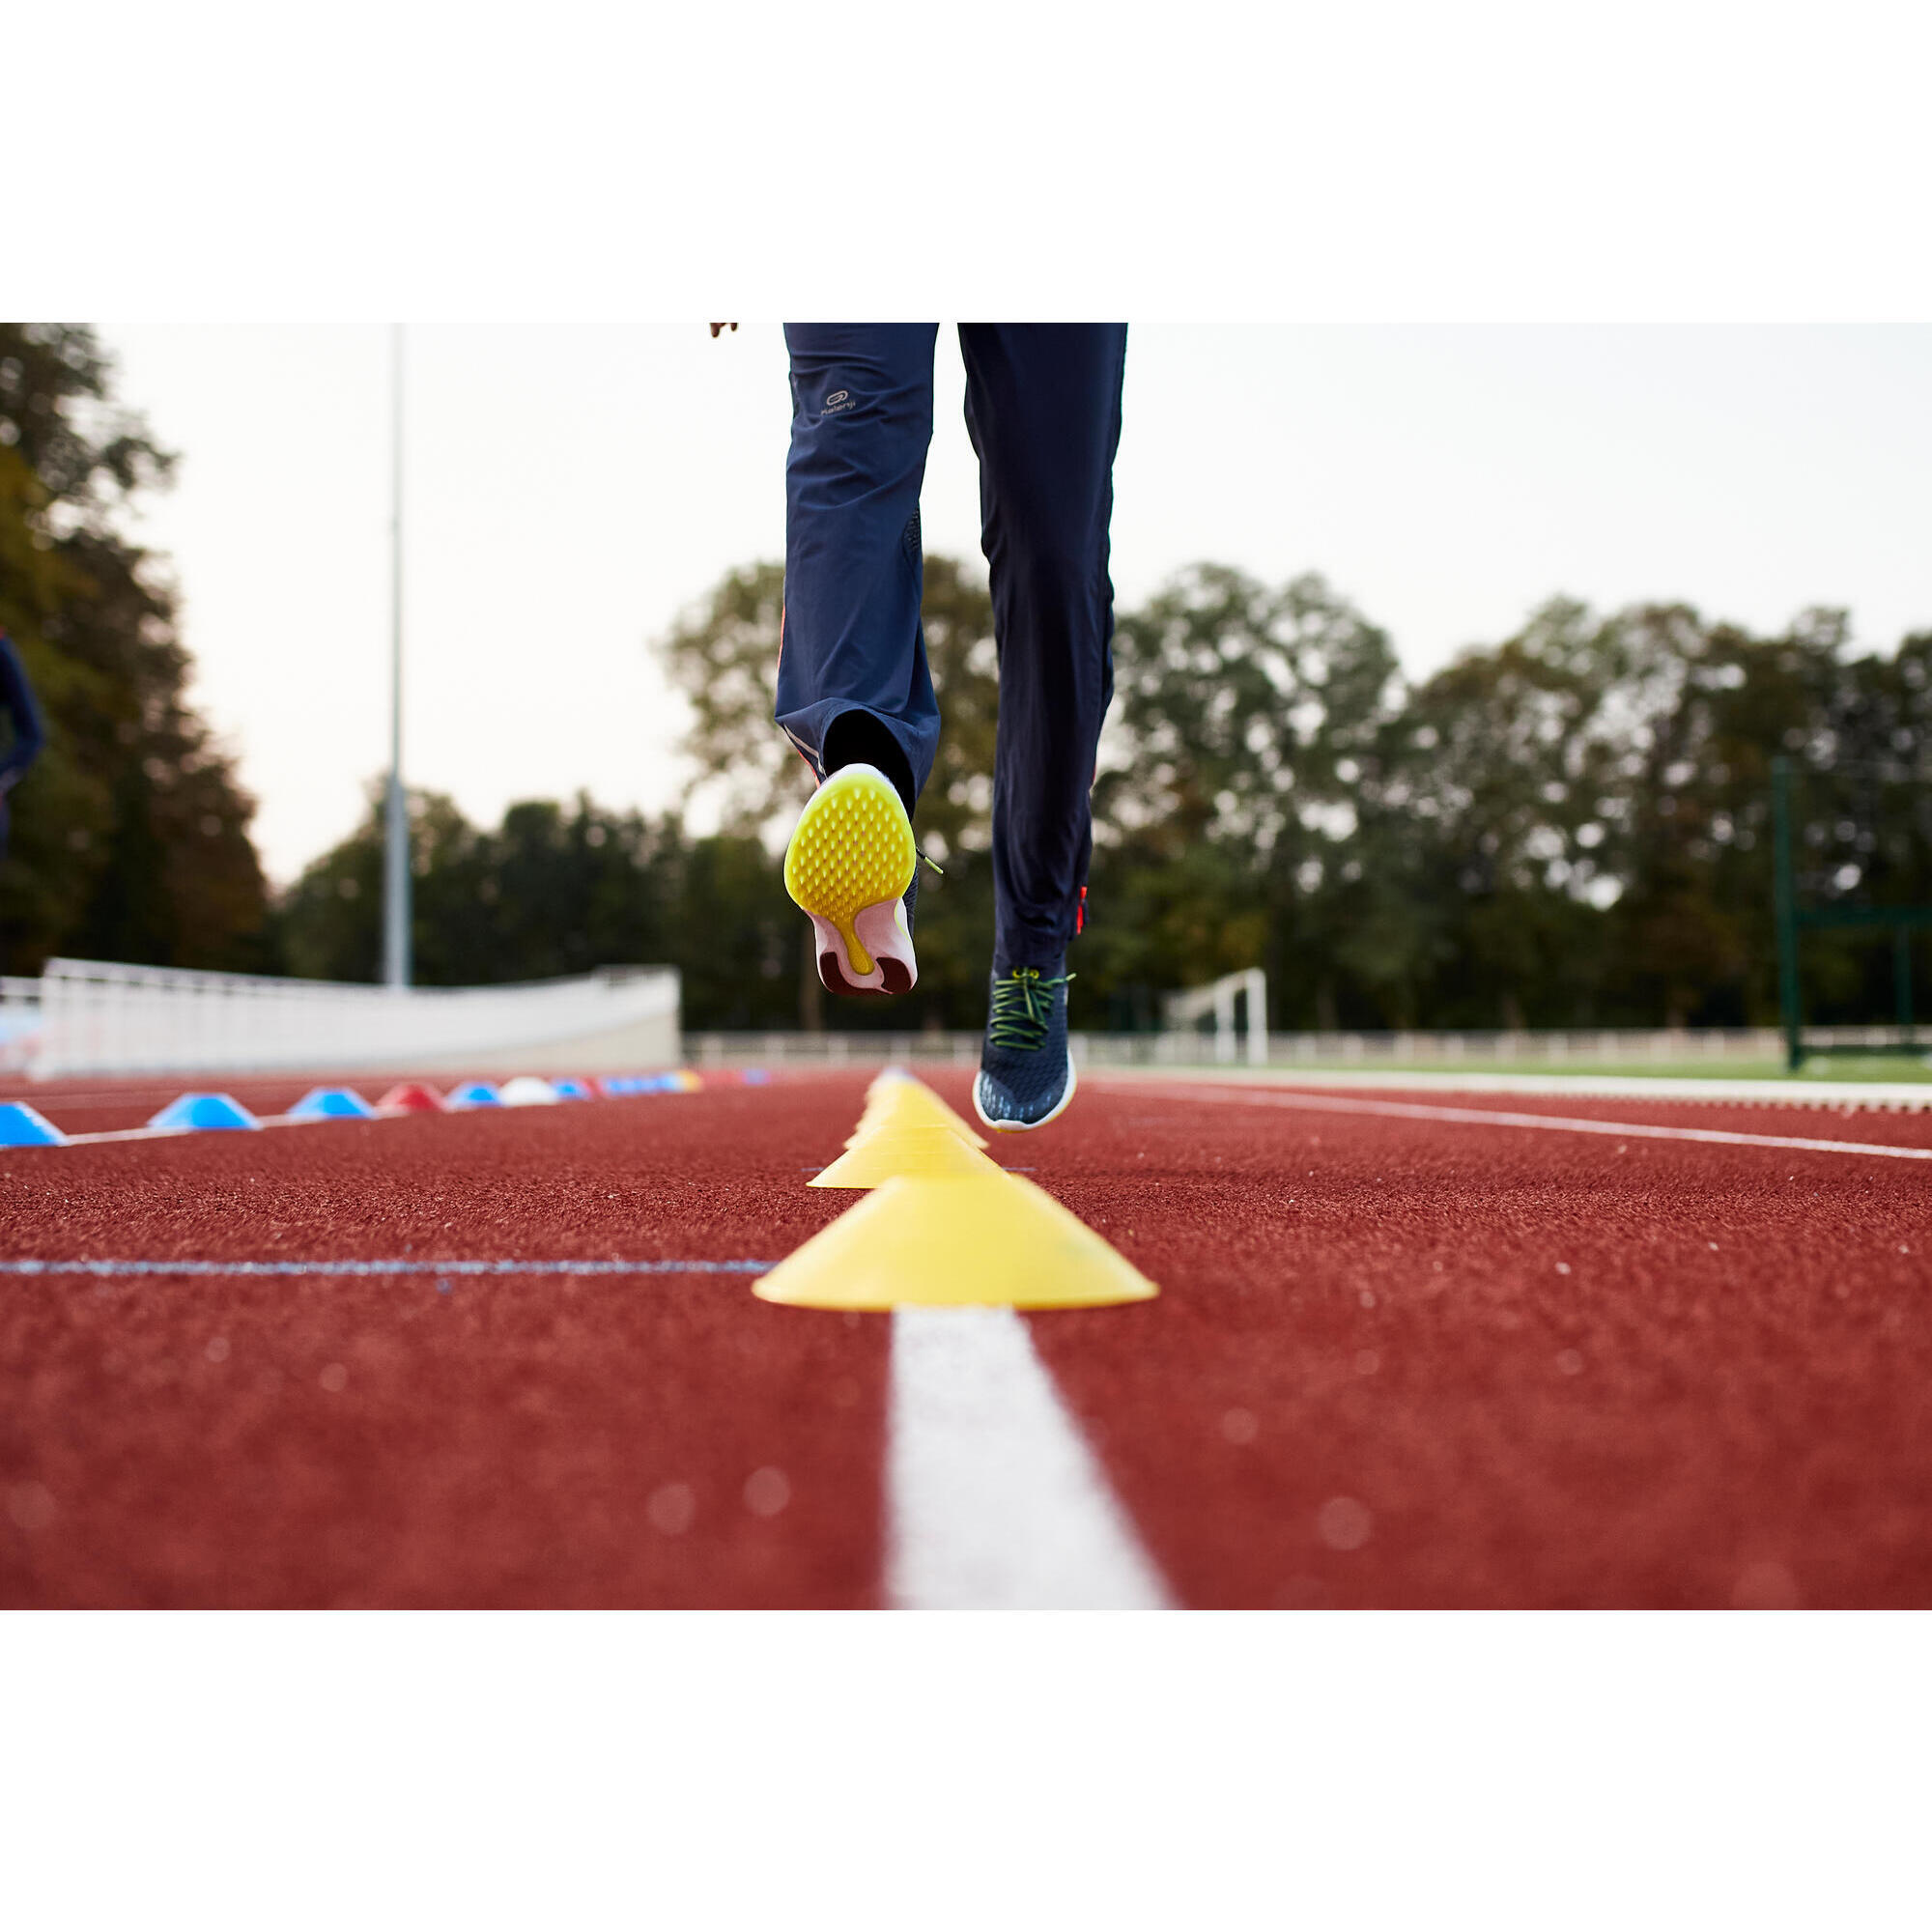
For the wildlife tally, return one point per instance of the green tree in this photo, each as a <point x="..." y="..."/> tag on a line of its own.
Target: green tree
<point x="1517" y="766"/>
<point x="1568" y="827"/>
<point x="556" y="890"/>
<point x="1599" y="789"/>
<point x="1243" y="777"/>
<point x="131" y="834"/>
<point x="1859" y="728"/>
<point x="723" y="658"/>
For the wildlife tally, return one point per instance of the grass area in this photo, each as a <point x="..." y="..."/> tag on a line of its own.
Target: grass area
<point x="1868" y="1066"/>
<point x="1894" y="1066"/>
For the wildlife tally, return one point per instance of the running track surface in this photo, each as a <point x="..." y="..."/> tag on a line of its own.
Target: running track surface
<point x="1398" y="1361"/>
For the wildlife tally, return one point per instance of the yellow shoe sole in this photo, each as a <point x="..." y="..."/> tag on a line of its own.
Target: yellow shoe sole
<point x="849" y="862"/>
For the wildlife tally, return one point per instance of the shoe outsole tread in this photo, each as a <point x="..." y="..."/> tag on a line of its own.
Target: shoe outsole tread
<point x="849" y="862"/>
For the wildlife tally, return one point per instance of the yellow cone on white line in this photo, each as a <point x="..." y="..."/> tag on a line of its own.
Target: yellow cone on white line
<point x="985" y="1240"/>
<point x="944" y="1226"/>
<point x="905" y="1130"/>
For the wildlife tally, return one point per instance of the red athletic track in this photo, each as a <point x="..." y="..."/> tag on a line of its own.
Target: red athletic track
<point x="1365" y="1341"/>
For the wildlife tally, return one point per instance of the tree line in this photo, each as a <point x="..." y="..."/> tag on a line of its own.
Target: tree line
<point x="1567" y="828"/>
<point x="131" y="835"/>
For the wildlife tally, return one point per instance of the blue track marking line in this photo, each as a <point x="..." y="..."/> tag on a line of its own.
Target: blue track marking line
<point x="1558" y="1124"/>
<point x="381" y="1268"/>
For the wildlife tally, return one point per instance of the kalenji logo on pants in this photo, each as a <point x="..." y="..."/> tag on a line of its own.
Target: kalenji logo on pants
<point x="838" y="400"/>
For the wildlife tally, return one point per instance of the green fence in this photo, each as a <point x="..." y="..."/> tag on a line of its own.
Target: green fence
<point x="1835" y="913"/>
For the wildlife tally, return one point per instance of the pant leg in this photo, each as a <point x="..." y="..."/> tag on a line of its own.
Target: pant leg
<point x="861" y="420"/>
<point x="1043" y="409"/>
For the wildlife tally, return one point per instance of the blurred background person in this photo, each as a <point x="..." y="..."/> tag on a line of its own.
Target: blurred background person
<point x="16" y="701"/>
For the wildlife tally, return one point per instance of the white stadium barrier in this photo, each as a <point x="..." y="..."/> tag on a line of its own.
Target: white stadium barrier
<point x="86" y="1017"/>
<point x="96" y="1017"/>
<point x="19" y="1023"/>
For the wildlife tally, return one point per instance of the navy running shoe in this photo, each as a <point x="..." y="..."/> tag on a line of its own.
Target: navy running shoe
<point x="1026" y="1074"/>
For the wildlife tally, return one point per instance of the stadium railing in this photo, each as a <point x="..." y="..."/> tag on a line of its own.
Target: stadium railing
<point x="1579" y="1048"/>
<point x="19" y="1023"/>
<point x="99" y="1017"/>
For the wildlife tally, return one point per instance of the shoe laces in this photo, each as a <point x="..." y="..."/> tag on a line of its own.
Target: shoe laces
<point x="1023" y="1008"/>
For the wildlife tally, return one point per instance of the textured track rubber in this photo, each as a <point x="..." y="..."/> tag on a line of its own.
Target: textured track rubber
<point x="849" y="862"/>
<point x="1394" y="1363"/>
<point x="475" y="1442"/>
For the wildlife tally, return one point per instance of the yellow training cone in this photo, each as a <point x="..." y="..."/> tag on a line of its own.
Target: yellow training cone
<point x="882" y="1091"/>
<point x="898" y="1100"/>
<point x="931" y="1152"/>
<point x="993" y="1241"/>
<point x="897" y="1095"/>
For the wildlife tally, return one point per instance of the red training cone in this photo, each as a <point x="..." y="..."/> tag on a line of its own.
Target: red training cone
<point x="412" y="1096"/>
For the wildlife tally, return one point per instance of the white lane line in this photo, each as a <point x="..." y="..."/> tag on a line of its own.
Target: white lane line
<point x="1495" y="1116"/>
<point x="994" y="1501"/>
<point x="381" y="1267"/>
<point x="1864" y="1095"/>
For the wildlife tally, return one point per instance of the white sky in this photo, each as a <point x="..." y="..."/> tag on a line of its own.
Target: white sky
<point x="571" y="489"/>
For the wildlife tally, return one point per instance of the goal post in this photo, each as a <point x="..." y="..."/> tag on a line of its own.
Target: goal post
<point x="1242" y="995"/>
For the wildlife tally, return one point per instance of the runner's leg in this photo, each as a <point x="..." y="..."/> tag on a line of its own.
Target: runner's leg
<point x="853" y="684"/>
<point x="1043" y="409"/>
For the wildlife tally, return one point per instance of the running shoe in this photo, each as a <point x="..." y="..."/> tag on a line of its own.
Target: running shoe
<point x="852" y="869"/>
<point x="1026" y="1074"/>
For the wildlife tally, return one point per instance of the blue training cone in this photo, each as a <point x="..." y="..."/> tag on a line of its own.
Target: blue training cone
<point x="205" y="1112"/>
<point x="473" y="1094"/>
<point x="21" y="1125"/>
<point x="332" y="1103"/>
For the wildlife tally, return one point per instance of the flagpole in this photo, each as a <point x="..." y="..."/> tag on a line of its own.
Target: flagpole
<point x="396" y="841"/>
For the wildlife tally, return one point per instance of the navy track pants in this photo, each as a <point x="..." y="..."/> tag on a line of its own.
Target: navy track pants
<point x="1043" y="409"/>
